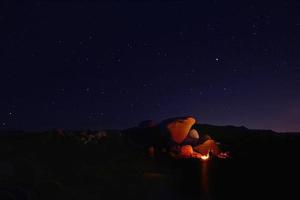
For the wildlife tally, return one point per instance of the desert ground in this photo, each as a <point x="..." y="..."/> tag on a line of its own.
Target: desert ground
<point x="103" y="165"/>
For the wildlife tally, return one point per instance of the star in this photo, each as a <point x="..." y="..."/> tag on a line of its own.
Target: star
<point x="59" y="41"/>
<point x="150" y="62"/>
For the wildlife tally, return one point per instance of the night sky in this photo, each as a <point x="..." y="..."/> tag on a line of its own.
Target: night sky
<point x="112" y="65"/>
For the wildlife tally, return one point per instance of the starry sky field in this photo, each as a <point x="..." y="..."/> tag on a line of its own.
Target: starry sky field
<point x="94" y="65"/>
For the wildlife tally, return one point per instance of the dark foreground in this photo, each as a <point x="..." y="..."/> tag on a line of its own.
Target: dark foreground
<point x="51" y="166"/>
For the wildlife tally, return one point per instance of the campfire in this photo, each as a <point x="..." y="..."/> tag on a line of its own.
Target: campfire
<point x="205" y="157"/>
<point x="187" y="151"/>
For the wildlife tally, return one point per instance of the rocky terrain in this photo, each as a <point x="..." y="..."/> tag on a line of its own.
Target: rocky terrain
<point x="75" y="165"/>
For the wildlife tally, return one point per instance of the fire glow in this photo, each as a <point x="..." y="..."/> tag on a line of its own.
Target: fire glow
<point x="205" y="157"/>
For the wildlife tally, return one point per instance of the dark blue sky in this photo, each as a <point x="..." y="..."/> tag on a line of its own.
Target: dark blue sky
<point x="111" y="65"/>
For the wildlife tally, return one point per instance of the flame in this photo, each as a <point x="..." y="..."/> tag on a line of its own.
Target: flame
<point x="205" y="157"/>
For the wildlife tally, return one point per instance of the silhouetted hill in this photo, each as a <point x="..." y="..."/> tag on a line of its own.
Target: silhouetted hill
<point x="242" y="140"/>
<point x="66" y="164"/>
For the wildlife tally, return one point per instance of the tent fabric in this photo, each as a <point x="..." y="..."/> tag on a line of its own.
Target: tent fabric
<point x="179" y="128"/>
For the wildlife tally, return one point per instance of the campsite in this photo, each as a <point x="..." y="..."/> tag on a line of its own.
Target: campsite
<point x="64" y="164"/>
<point x="149" y="100"/>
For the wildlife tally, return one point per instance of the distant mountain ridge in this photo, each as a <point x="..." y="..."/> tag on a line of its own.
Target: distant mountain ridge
<point x="207" y="128"/>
